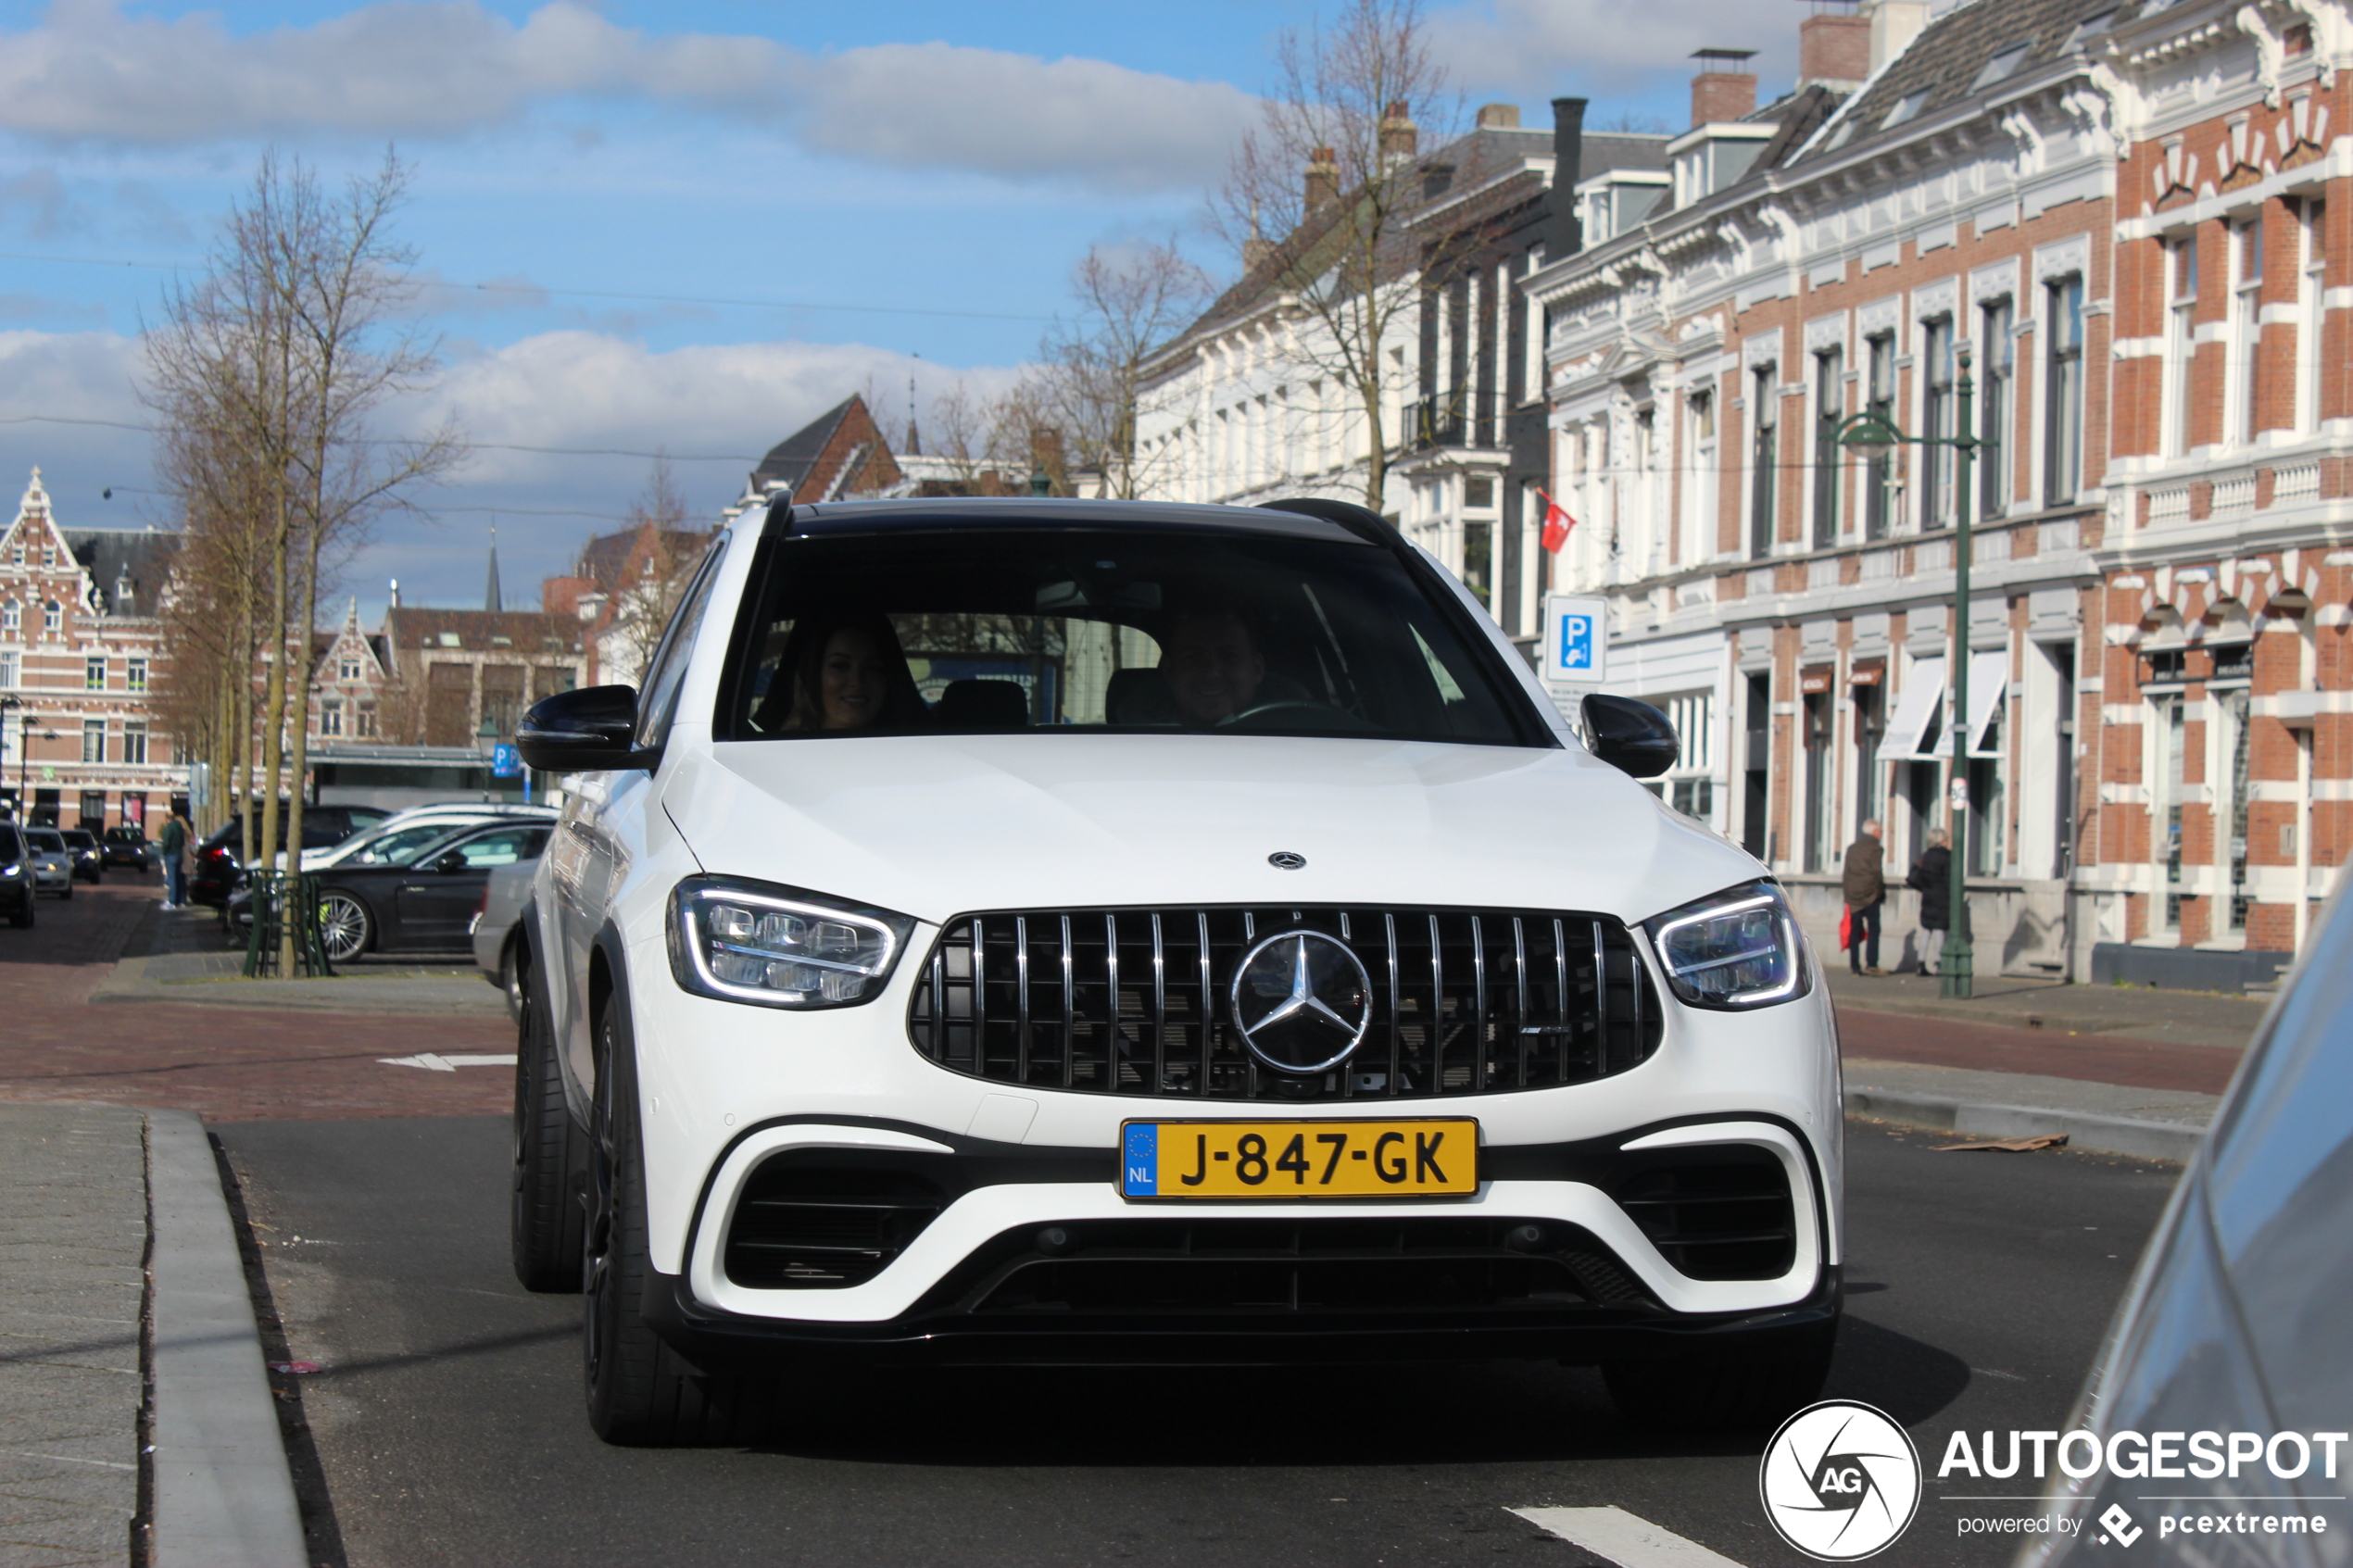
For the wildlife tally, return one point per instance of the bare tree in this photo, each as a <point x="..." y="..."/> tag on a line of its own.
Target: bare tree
<point x="645" y="592"/>
<point x="1330" y="168"/>
<point x="274" y="368"/>
<point x="1086" y="386"/>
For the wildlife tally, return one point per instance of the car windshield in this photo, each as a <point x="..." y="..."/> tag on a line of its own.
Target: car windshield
<point x="125" y="835"/>
<point x="1125" y="631"/>
<point x="80" y="839"/>
<point x="47" y="841"/>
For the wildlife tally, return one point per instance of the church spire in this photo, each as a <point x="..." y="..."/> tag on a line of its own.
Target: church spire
<point x="490" y="594"/>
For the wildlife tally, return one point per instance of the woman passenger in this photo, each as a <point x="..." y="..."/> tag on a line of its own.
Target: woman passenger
<point x="842" y="672"/>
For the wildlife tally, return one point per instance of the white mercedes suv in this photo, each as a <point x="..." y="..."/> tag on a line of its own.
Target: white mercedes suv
<point x="1122" y="933"/>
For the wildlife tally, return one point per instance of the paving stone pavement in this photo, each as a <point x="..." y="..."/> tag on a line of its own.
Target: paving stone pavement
<point x="72" y="1255"/>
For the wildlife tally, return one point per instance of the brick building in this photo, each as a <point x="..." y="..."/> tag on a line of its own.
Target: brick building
<point x="79" y="659"/>
<point x="2115" y="219"/>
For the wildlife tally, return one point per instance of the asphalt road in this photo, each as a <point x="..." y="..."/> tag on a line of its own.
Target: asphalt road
<point x="445" y="1426"/>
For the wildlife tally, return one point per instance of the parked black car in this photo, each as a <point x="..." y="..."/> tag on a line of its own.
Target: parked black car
<point x="15" y="875"/>
<point x="426" y="905"/>
<point x="216" y="862"/>
<point x="126" y="847"/>
<point x="89" y="861"/>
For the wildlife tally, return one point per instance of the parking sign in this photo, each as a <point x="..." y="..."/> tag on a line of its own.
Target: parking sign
<point x="505" y="762"/>
<point x="1575" y="640"/>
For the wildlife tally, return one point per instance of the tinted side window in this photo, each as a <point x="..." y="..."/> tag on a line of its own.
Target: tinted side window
<point x="658" y="702"/>
<point x="11" y="847"/>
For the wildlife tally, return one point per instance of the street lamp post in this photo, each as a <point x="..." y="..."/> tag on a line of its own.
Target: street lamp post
<point x="1871" y="437"/>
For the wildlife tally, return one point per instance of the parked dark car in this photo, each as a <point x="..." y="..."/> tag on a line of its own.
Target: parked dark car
<point x="217" y="862"/>
<point x="426" y="905"/>
<point x="16" y="876"/>
<point x="126" y="847"/>
<point x="89" y="861"/>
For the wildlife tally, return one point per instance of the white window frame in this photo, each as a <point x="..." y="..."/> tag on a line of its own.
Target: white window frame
<point x="2241" y="411"/>
<point x="2181" y="344"/>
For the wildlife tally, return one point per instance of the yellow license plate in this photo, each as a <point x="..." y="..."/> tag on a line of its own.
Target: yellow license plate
<point x="1431" y="1157"/>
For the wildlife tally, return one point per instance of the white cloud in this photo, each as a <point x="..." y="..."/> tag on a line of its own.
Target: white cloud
<point x="1588" y="46"/>
<point x="426" y="67"/>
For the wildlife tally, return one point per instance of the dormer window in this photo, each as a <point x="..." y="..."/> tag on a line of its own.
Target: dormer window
<point x="449" y="640"/>
<point x="53" y="616"/>
<point x="1907" y="107"/>
<point x="2001" y="68"/>
<point x="2091" y="27"/>
<point x="350" y="670"/>
<point x="11" y="618"/>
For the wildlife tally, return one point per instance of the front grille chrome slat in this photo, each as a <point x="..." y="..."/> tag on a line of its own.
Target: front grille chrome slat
<point x="1011" y="996"/>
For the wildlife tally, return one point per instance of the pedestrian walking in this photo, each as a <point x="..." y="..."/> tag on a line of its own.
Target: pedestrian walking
<point x="173" y="847"/>
<point x="1932" y="877"/>
<point x="1864" y="882"/>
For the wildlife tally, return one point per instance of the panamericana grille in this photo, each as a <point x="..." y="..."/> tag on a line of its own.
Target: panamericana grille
<point x="1135" y="1001"/>
<point x="1715" y="1212"/>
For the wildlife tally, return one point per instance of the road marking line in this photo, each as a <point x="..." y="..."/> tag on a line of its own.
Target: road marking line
<point x="63" y="1459"/>
<point x="1627" y="1539"/>
<point x="432" y="1062"/>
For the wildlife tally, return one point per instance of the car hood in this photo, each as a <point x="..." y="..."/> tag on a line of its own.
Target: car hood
<point x="935" y="825"/>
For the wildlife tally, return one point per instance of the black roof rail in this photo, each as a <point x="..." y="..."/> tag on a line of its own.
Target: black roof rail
<point x="1362" y="521"/>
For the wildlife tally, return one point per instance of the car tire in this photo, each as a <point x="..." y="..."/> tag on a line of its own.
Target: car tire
<point x="1754" y="1393"/>
<point x="346" y="928"/>
<point x="549" y="1221"/>
<point x="513" y="976"/>
<point x="641" y="1393"/>
<point x="21" y="918"/>
<point x="67" y="893"/>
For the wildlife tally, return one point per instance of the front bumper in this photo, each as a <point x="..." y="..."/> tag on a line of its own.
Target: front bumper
<point x="1028" y="1254"/>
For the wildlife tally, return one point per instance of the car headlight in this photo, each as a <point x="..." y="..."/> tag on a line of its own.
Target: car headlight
<point x="780" y="946"/>
<point x="1733" y="950"/>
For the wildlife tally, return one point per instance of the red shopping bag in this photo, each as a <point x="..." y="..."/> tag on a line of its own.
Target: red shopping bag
<point x="1846" y="928"/>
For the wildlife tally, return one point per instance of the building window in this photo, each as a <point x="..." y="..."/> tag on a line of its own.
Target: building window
<point x="11" y="618"/>
<point x="1870" y="727"/>
<point x="1764" y="463"/>
<point x="1478" y="561"/>
<point x="93" y="740"/>
<point x="330" y="718"/>
<point x="1880" y="399"/>
<point x="2311" y="241"/>
<point x="1815" y="711"/>
<point x="1691" y="784"/>
<point x="2181" y="341"/>
<point x="53" y="615"/>
<point x="1699" y="479"/>
<point x="1830" y="398"/>
<point x="1995" y="404"/>
<point x="93" y="673"/>
<point x="134" y="741"/>
<point x="2244" y="397"/>
<point x="349" y="670"/>
<point x="366" y="720"/>
<point x="1938" y="410"/>
<point x="2171" y="730"/>
<point x="8" y="668"/>
<point x="134" y="677"/>
<point x="2063" y="389"/>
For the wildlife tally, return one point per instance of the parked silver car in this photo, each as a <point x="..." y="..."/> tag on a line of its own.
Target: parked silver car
<point x="494" y="929"/>
<point x="2229" y="1349"/>
<point x="52" y="861"/>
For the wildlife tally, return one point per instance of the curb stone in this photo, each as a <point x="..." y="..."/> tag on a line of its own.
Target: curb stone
<point x="223" y="1493"/>
<point x="2101" y="1135"/>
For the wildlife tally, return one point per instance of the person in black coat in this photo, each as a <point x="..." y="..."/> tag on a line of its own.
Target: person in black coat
<point x="1932" y="879"/>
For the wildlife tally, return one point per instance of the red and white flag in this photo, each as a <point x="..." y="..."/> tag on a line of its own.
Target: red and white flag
<point x="1557" y="522"/>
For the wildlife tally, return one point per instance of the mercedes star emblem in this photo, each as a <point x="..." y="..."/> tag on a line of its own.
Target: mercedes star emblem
<point x="1284" y="861"/>
<point x="1303" y="1001"/>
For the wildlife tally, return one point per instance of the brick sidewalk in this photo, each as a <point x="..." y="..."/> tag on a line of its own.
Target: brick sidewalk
<point x="2094" y="1059"/>
<point x="228" y="1065"/>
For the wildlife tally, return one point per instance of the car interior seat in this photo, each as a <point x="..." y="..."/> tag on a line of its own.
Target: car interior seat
<point x="981" y="704"/>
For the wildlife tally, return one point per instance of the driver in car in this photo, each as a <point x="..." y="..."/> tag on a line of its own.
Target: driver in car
<point x="1211" y="667"/>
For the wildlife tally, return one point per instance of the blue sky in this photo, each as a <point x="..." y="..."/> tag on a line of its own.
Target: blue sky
<point x="705" y="222"/>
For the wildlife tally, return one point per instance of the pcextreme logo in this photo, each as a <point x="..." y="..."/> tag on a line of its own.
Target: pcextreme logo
<point x="1840" y="1481"/>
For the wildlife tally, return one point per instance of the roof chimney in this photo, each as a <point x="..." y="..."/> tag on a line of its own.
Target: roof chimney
<point x="1322" y="178"/>
<point x="1398" y="135"/>
<point x="1834" y="49"/>
<point x="1563" y="235"/>
<point x="1895" y="23"/>
<point x="1499" y="117"/>
<point x="1725" y="87"/>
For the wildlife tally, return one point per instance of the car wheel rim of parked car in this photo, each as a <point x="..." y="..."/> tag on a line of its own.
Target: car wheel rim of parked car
<point x="343" y="926"/>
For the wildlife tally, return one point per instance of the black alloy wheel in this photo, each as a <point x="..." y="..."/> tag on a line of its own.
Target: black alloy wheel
<point x="549" y="1213"/>
<point x="641" y="1392"/>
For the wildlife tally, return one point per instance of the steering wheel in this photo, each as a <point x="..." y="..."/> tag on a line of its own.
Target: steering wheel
<point x="1295" y="710"/>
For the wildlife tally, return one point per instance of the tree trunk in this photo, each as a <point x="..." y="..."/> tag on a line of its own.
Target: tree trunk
<point x="274" y="711"/>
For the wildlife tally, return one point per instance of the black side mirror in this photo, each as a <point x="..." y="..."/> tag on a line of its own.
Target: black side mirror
<point x="1630" y="735"/>
<point x="581" y="731"/>
<point x="449" y="861"/>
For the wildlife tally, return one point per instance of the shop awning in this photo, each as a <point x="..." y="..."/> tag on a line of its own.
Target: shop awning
<point x="1989" y="685"/>
<point x="1915" y="710"/>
